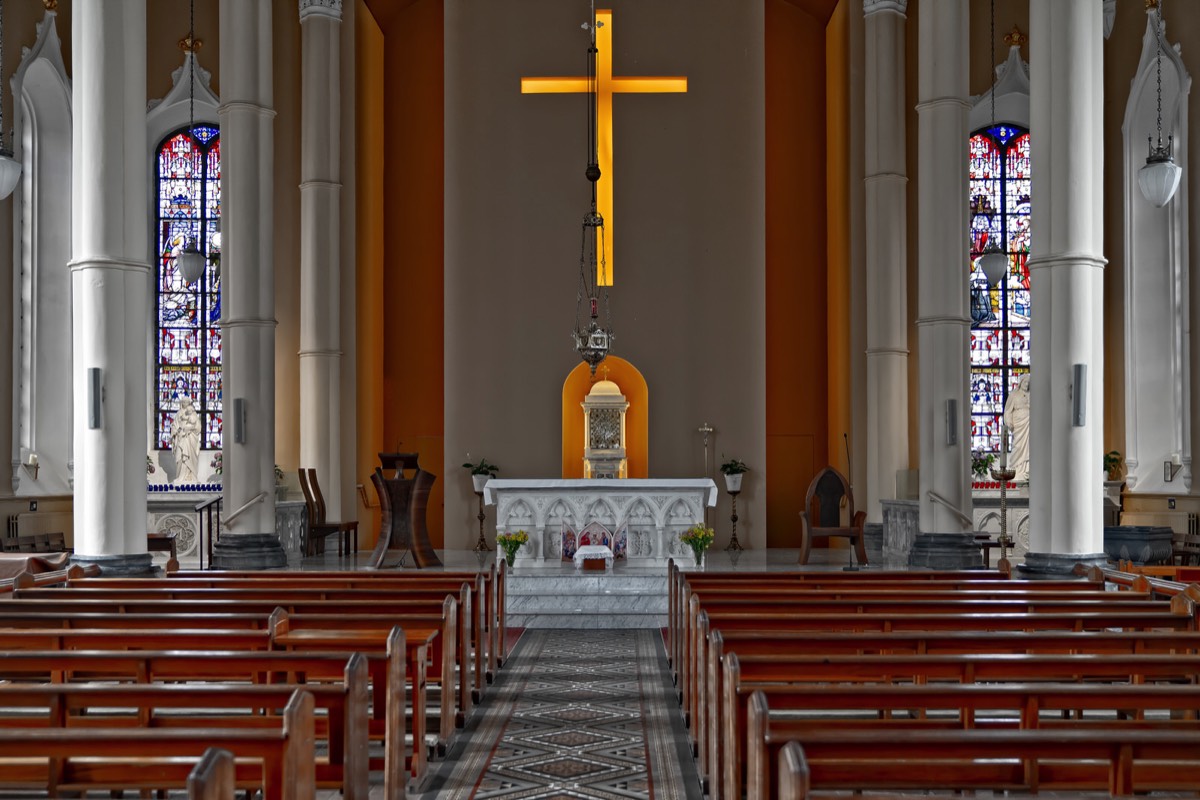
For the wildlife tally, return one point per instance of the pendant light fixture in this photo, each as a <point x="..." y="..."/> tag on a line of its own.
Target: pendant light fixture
<point x="10" y="168"/>
<point x="190" y="261"/>
<point x="1159" y="178"/>
<point x="993" y="262"/>
<point x="593" y="340"/>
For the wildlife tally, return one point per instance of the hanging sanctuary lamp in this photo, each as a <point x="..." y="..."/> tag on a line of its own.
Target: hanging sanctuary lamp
<point x="993" y="262"/>
<point x="1159" y="178"/>
<point x="190" y="261"/>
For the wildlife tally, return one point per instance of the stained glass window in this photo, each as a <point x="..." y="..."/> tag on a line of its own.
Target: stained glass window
<point x="188" y="207"/>
<point x="999" y="174"/>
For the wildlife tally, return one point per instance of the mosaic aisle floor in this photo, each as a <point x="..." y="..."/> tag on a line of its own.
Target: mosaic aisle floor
<point x="575" y="714"/>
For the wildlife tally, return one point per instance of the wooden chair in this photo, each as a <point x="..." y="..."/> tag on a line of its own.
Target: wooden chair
<point x="318" y="526"/>
<point x="822" y="514"/>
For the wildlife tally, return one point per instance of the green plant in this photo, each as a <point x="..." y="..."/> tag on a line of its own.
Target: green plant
<point x="278" y="474"/>
<point x="511" y="543"/>
<point x="699" y="538"/>
<point x="734" y="467"/>
<point x="149" y="466"/>
<point x="1112" y="464"/>
<point x="981" y="463"/>
<point x="482" y="468"/>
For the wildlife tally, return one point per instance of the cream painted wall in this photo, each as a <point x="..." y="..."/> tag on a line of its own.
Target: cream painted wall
<point x="689" y="239"/>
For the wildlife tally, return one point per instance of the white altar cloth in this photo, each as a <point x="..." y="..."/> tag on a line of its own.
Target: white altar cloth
<point x="645" y="516"/>
<point x="593" y="552"/>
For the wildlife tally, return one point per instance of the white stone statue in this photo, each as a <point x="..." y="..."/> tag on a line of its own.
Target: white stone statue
<point x="185" y="441"/>
<point x="1016" y="418"/>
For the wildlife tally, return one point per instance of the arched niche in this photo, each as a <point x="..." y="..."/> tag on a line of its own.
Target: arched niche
<point x="637" y="420"/>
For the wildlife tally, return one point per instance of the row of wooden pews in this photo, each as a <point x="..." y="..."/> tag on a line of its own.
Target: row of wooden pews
<point x="106" y="680"/>
<point x="795" y="683"/>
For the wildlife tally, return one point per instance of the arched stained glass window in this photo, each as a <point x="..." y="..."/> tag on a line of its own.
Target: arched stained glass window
<point x="999" y="174"/>
<point x="188" y="206"/>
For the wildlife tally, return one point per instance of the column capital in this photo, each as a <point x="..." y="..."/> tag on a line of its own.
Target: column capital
<point x="321" y="8"/>
<point x="874" y="6"/>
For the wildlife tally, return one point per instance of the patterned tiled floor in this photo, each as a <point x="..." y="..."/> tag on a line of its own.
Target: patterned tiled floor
<point x="575" y="714"/>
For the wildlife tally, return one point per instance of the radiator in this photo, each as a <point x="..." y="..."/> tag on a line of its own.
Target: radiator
<point x="32" y="522"/>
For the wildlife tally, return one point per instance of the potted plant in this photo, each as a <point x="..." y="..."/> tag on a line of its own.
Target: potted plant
<point x="981" y="464"/>
<point x="480" y="473"/>
<point x="280" y="486"/>
<point x="511" y="543"/>
<point x="699" y="537"/>
<point x="733" y="469"/>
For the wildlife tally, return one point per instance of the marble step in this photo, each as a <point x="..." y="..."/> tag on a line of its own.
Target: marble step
<point x="587" y="600"/>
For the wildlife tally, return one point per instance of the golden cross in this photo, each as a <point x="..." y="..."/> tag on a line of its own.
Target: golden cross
<point x="606" y="85"/>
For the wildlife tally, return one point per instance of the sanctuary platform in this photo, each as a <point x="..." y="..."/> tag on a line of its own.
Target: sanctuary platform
<point x="553" y="594"/>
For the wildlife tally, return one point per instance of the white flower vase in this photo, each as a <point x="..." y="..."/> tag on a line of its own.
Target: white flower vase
<point x="733" y="483"/>
<point x="478" y="482"/>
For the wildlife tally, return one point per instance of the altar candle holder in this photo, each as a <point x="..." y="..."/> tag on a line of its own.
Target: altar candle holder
<point x="481" y="546"/>
<point x="1004" y="475"/>
<point x="734" y="544"/>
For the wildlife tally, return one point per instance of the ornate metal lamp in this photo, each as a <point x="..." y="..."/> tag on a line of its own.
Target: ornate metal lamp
<point x="1159" y="179"/>
<point x="10" y="168"/>
<point x="593" y="340"/>
<point x="190" y="261"/>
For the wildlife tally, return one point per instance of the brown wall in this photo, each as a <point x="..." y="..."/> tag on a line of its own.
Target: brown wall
<point x="796" y="264"/>
<point x="688" y="307"/>
<point x="411" y="155"/>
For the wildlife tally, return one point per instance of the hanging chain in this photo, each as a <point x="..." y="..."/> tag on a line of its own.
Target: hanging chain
<point x="992" y="63"/>
<point x="1158" y="67"/>
<point x="3" y="149"/>
<point x="192" y="67"/>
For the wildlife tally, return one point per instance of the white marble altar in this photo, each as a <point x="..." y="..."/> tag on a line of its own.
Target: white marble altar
<point x="651" y="512"/>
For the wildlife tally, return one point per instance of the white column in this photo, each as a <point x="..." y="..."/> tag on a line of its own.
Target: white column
<point x="1067" y="278"/>
<point x="248" y="537"/>
<point x="110" y="283"/>
<point x="942" y="323"/>
<point x="887" y="287"/>
<point x="320" y="247"/>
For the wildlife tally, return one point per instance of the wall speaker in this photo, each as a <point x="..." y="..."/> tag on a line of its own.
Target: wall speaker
<point x="239" y="420"/>
<point x="952" y="421"/>
<point x="1079" y="395"/>
<point x="95" y="397"/>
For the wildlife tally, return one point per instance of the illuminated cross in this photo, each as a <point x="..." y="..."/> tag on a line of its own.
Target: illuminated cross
<point x="606" y="85"/>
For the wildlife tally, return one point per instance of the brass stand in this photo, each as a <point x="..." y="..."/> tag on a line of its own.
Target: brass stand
<point x="1004" y="476"/>
<point x="734" y="544"/>
<point x="481" y="546"/>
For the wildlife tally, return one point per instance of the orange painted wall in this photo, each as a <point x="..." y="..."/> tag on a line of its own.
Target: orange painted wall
<point x="369" y="222"/>
<point x="796" y="255"/>
<point x="637" y="418"/>
<point x="412" y="330"/>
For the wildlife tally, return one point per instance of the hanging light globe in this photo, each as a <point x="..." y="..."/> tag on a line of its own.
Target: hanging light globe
<point x="190" y="262"/>
<point x="1159" y="178"/>
<point x="10" y="173"/>
<point x="993" y="263"/>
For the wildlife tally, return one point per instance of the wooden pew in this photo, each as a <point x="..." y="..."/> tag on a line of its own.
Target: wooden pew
<point x="905" y="708"/>
<point x="344" y="726"/>
<point x="212" y="777"/>
<point x="143" y="666"/>
<point x="750" y="644"/>
<point x="27" y="580"/>
<point x="78" y="759"/>
<point x="495" y="580"/>
<point x="1120" y="761"/>
<point x="412" y="614"/>
<point x="1179" y="616"/>
<point x="770" y="673"/>
<point x="305" y="596"/>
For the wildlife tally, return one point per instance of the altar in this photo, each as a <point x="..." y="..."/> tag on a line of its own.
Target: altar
<point x="639" y="519"/>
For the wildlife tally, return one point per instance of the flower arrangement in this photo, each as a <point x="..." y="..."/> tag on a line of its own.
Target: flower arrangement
<point x="511" y="542"/>
<point x="149" y="466"/>
<point x="216" y="464"/>
<point x="981" y="463"/>
<point x="1112" y="465"/>
<point x="699" y="538"/>
<point x="278" y="474"/>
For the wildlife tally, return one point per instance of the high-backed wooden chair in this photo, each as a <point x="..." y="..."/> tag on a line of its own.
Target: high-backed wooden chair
<point x="822" y="514"/>
<point x="318" y="526"/>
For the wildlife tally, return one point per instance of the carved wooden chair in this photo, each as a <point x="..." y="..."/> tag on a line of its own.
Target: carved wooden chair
<point x="318" y="526"/>
<point x="822" y="514"/>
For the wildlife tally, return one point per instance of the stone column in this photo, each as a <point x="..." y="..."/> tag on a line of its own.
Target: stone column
<point x="887" y="290"/>
<point x="248" y="538"/>
<point x="1067" y="280"/>
<point x="110" y="284"/>
<point x="320" y="247"/>
<point x="943" y="326"/>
